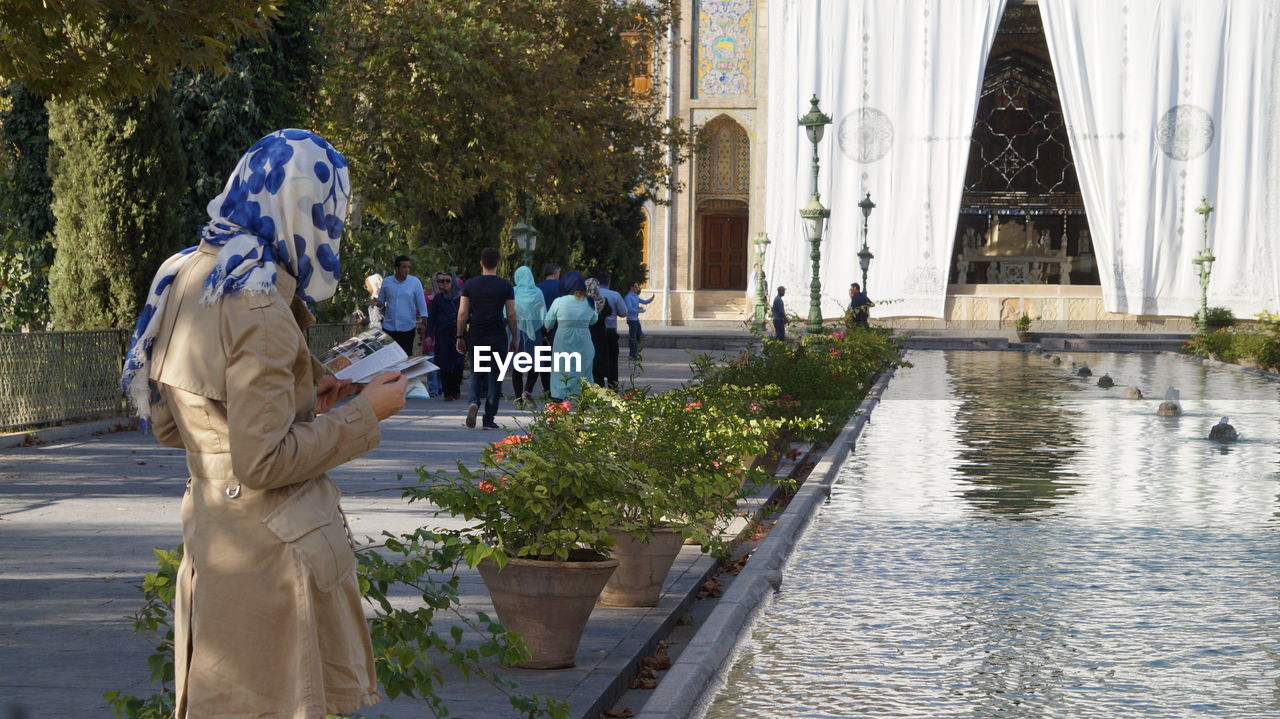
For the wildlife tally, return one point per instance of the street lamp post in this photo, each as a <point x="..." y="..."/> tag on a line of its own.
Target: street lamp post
<point x="762" y="300"/>
<point x="1204" y="264"/>
<point x="526" y="235"/>
<point x="864" y="254"/>
<point x="814" y="215"/>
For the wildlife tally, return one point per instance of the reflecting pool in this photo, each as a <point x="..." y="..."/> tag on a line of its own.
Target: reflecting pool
<point x="1010" y="540"/>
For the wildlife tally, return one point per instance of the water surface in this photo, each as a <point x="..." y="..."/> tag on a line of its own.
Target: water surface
<point x="1009" y="540"/>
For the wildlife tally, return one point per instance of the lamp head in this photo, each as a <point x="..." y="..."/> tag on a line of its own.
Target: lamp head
<point x="867" y="206"/>
<point x="814" y="216"/>
<point x="814" y="122"/>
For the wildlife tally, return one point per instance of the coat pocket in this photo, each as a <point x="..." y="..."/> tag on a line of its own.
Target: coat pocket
<point x="310" y="522"/>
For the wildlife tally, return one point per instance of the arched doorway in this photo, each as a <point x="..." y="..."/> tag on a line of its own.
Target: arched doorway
<point x="722" y="189"/>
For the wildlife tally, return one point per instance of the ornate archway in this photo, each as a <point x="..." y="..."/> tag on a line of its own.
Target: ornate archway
<point x="722" y="188"/>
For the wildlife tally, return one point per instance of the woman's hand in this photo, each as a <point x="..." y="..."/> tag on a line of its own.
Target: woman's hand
<point x="386" y="393"/>
<point x="330" y="390"/>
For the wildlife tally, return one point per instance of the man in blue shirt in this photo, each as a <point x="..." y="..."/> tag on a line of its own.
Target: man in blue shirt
<point x="404" y="306"/>
<point x="551" y="291"/>
<point x="633" y="317"/>
<point x="860" y="304"/>
<point x="619" y="307"/>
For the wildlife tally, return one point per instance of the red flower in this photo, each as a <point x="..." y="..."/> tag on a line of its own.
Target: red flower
<point x="693" y="405"/>
<point x="487" y="486"/>
<point x="838" y="335"/>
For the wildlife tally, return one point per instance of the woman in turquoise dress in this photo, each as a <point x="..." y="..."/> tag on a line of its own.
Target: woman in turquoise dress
<point x="571" y="316"/>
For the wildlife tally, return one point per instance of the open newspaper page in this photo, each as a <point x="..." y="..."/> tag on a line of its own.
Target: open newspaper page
<point x="369" y="354"/>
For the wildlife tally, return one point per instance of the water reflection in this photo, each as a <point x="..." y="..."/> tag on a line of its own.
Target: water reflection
<point x="1016" y="445"/>
<point x="1148" y="586"/>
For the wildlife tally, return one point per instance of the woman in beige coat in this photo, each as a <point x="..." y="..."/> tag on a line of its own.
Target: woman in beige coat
<point x="268" y="620"/>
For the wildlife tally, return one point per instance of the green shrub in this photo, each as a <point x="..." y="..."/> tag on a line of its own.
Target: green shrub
<point x="1219" y="317"/>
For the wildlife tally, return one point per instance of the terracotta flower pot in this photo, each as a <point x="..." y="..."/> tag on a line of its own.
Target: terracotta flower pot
<point x="642" y="568"/>
<point x="547" y="603"/>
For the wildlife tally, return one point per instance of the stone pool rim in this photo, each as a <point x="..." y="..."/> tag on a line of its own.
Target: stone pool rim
<point x="697" y="675"/>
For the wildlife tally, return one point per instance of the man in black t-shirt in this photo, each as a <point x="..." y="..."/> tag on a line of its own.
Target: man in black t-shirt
<point x="481" y="325"/>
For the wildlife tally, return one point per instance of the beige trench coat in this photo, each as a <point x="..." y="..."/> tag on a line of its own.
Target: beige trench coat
<point x="268" y="620"/>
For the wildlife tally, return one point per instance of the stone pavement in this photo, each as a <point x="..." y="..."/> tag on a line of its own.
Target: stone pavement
<point x="79" y="517"/>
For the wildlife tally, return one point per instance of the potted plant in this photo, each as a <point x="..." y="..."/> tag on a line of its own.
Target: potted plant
<point x="687" y="452"/>
<point x="1023" y="327"/>
<point x="540" y="508"/>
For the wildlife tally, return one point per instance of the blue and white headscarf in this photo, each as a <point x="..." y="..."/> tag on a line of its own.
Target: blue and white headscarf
<point x="282" y="208"/>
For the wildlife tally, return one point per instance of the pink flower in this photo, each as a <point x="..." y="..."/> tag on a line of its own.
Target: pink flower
<point x="754" y="407"/>
<point x="838" y="335"/>
<point x="487" y="486"/>
<point x="693" y="405"/>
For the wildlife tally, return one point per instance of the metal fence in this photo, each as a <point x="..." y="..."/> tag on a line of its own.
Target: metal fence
<point x="55" y="377"/>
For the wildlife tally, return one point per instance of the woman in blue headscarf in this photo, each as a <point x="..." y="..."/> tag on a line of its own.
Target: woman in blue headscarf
<point x="531" y="310"/>
<point x="570" y="316"/>
<point x="442" y="323"/>
<point x="268" y="619"/>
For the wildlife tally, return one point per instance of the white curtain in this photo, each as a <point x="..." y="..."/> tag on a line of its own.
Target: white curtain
<point x="1166" y="102"/>
<point x="901" y="81"/>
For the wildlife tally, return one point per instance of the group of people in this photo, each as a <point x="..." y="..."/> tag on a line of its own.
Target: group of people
<point x="451" y="318"/>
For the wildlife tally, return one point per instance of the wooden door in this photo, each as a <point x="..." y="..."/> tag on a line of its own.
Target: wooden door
<point x="724" y="252"/>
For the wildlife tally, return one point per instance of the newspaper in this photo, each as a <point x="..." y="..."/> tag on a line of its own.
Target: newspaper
<point x="371" y="353"/>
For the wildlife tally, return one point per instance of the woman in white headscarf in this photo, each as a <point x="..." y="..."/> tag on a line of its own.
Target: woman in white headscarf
<point x="268" y="620"/>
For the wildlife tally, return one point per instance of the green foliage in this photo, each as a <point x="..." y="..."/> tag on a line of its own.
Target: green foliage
<point x="543" y="495"/>
<point x="1219" y="317"/>
<point x="117" y="185"/>
<point x="410" y="651"/>
<point x="823" y="376"/>
<point x="1023" y="323"/>
<point x="109" y="49"/>
<point x="269" y="84"/>
<point x="26" y="220"/>
<point x="438" y="101"/>
<point x="688" y="451"/>
<point x="154" y="619"/>
<point x="1241" y="345"/>
<point x="606" y="237"/>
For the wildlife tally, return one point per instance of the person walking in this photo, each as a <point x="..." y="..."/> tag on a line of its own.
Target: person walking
<point x="373" y="284"/>
<point x="442" y="325"/>
<point x="531" y="310"/>
<point x="570" y="316"/>
<point x="404" y="306"/>
<point x="779" y="315"/>
<point x="481" y="327"/>
<point x="634" y="335"/>
<point x="617" y="308"/>
<point x="267" y="615"/>
<point x="860" y="305"/>
<point x="596" y="329"/>
<point x="551" y="291"/>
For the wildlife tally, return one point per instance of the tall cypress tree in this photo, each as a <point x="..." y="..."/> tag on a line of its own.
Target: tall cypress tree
<point x="26" y="220"/>
<point x="118" y="174"/>
<point x="269" y="84"/>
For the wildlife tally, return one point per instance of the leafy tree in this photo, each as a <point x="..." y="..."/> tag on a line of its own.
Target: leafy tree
<point x="108" y="49"/>
<point x="26" y="220"/>
<point x="439" y="101"/>
<point x="117" y="181"/>
<point x="269" y="84"/>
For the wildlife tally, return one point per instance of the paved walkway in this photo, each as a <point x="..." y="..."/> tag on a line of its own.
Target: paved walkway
<point x="78" y="519"/>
